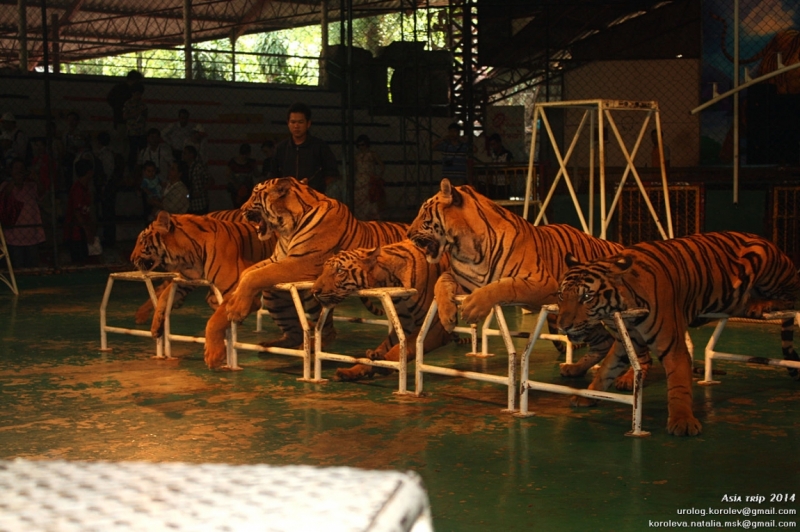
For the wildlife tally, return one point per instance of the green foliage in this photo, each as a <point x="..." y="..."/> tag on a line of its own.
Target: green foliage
<point x="287" y="56"/>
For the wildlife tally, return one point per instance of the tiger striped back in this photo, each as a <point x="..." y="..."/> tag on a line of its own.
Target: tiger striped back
<point x="486" y="242"/>
<point x="196" y="247"/>
<point x="500" y="258"/>
<point x="310" y="227"/>
<point x="677" y="280"/>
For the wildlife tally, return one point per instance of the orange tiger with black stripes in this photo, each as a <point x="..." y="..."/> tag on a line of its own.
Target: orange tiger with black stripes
<point x="148" y="247"/>
<point x="211" y="247"/>
<point x="310" y="227"/>
<point x="401" y="264"/>
<point x="733" y="273"/>
<point x="498" y="257"/>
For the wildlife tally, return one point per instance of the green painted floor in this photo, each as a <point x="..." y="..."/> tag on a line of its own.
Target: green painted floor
<point x="484" y="470"/>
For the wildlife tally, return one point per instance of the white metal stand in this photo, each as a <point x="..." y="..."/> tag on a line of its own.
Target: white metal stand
<point x="509" y="380"/>
<point x="147" y="279"/>
<point x="232" y="362"/>
<point x="315" y="353"/>
<point x="635" y="400"/>
<point x="598" y="113"/>
<point x="10" y="281"/>
<point x="386" y="296"/>
<point x="711" y="354"/>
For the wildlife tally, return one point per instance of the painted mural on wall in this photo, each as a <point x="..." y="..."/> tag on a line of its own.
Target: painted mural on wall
<point x="766" y="27"/>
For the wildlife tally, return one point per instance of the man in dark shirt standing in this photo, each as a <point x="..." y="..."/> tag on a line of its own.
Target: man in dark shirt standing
<point x="303" y="155"/>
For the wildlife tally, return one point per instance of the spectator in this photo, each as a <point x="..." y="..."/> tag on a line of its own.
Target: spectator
<point x="268" y="149"/>
<point x="198" y="141"/>
<point x="79" y="228"/>
<point x="135" y="114"/>
<point x="106" y="181"/>
<point x="157" y="152"/>
<point x="241" y="176"/>
<point x="455" y="150"/>
<point x="119" y="95"/>
<point x="27" y="233"/>
<point x="152" y="189"/>
<point x="497" y="152"/>
<point x="16" y="141"/>
<point x="303" y="155"/>
<point x="176" y="195"/>
<point x="177" y="133"/>
<point x="199" y="181"/>
<point x="42" y="164"/>
<point x="73" y="143"/>
<point x="369" y="192"/>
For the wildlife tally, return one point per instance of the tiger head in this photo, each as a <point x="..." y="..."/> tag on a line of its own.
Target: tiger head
<point x="164" y="243"/>
<point x="343" y="274"/>
<point x="445" y="219"/>
<point x="276" y="205"/>
<point x="591" y="293"/>
<point x="150" y="250"/>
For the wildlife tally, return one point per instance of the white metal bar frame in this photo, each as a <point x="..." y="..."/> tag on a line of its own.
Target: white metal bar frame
<point x="305" y="353"/>
<point x="635" y="399"/>
<point x="711" y="354"/>
<point x="147" y="279"/>
<point x="10" y="281"/>
<point x="598" y="111"/>
<point x="387" y="296"/>
<point x="509" y="380"/>
<point x="232" y="362"/>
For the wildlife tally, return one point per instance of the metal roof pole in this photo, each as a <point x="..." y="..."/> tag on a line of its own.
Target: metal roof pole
<point x="323" y="63"/>
<point x="735" y="102"/>
<point x="187" y="38"/>
<point x="22" y="24"/>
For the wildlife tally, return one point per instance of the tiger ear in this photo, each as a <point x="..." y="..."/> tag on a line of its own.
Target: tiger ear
<point x="450" y="193"/>
<point x="304" y="180"/>
<point x="162" y="223"/>
<point x="281" y="187"/>
<point x="372" y="257"/>
<point x="571" y="260"/>
<point x="624" y="262"/>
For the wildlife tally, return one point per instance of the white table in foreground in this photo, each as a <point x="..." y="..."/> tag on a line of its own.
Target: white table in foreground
<point x="136" y="496"/>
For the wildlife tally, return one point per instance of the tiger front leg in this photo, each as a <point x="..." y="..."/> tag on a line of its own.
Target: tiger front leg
<point x="241" y="301"/>
<point x="157" y="325"/>
<point x="508" y="290"/>
<point x="445" y="291"/>
<point x="218" y="324"/>
<point x="614" y="364"/>
<point x="678" y="365"/>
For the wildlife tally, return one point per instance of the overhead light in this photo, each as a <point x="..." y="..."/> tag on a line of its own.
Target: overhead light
<point x="679" y="56"/>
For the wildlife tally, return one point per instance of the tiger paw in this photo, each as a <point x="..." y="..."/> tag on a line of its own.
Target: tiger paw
<point x="684" y="425"/>
<point x="476" y="306"/>
<point x="215" y="355"/>
<point x="582" y="402"/>
<point x="572" y="370"/>
<point x="237" y="308"/>
<point x="625" y="381"/>
<point x="157" y="327"/>
<point x="285" y="341"/>
<point x="356" y="373"/>
<point x="448" y="315"/>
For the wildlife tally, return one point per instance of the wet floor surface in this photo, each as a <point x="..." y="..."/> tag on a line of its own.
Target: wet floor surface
<point x="563" y="469"/>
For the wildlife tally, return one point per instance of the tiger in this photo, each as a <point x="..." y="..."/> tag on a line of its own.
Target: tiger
<point x="401" y="264"/>
<point x="197" y="247"/>
<point x="787" y="43"/>
<point x="146" y="239"/>
<point x="732" y="273"/>
<point x="497" y="257"/>
<point x="310" y="227"/>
